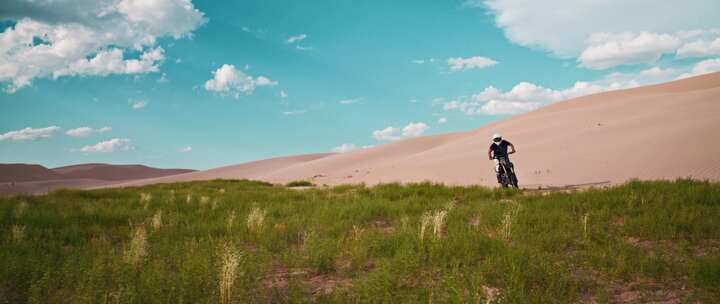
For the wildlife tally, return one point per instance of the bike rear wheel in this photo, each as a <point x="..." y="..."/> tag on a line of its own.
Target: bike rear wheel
<point x="513" y="180"/>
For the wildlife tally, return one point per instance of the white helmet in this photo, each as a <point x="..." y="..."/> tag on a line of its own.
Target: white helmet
<point x="495" y="136"/>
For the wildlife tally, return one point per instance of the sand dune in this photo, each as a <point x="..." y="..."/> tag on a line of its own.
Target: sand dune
<point x="664" y="131"/>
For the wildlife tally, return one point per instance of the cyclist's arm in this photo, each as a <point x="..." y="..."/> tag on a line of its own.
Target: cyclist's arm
<point x="490" y="154"/>
<point x="512" y="149"/>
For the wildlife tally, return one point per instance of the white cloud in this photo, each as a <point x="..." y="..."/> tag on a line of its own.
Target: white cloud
<point x="387" y="134"/>
<point x="264" y="81"/>
<point x="86" y="131"/>
<point x="163" y="78"/>
<point x="29" y="133"/>
<point x="523" y="97"/>
<point x="80" y="132"/>
<point x="442" y="120"/>
<point x="414" y="129"/>
<point x="227" y="80"/>
<point x="112" y="145"/>
<point x="392" y="134"/>
<point x="462" y="64"/>
<point x="111" y="61"/>
<point x="296" y="112"/>
<point x="608" y="50"/>
<point x="499" y="107"/>
<point x="563" y="27"/>
<point x="658" y="72"/>
<point x="138" y="104"/>
<point x="345" y="148"/>
<point x="88" y="37"/>
<point x="526" y="96"/>
<point x="186" y="149"/>
<point x="703" y="67"/>
<point x="423" y="61"/>
<point x="700" y="48"/>
<point x="298" y="38"/>
<point x="349" y="101"/>
<point x="472" y="3"/>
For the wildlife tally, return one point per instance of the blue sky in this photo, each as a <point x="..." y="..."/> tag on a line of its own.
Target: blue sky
<point x="201" y="84"/>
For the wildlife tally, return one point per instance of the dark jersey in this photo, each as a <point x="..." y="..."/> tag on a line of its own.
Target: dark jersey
<point x="501" y="149"/>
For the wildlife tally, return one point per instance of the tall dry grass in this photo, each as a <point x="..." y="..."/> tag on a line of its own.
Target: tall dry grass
<point x="156" y="221"/>
<point x="436" y="220"/>
<point x="17" y="232"/>
<point x="228" y="270"/>
<point x="230" y="221"/>
<point x="507" y="222"/>
<point x="256" y="219"/>
<point x="20" y="209"/>
<point x="137" y="249"/>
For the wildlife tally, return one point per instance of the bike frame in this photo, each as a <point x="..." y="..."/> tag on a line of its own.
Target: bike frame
<point x="507" y="169"/>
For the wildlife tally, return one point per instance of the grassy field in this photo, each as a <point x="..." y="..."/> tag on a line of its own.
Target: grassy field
<point x="240" y="241"/>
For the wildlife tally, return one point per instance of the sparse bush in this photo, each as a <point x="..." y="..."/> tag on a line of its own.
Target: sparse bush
<point x="300" y="183"/>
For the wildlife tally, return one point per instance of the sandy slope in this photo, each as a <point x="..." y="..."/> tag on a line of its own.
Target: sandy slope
<point x="250" y="170"/>
<point x="664" y="131"/>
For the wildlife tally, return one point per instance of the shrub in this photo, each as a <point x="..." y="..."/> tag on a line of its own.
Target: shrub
<point x="301" y="183"/>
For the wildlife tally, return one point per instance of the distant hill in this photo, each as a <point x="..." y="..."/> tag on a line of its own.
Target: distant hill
<point x="26" y="173"/>
<point x="102" y="172"/>
<point x="115" y="172"/>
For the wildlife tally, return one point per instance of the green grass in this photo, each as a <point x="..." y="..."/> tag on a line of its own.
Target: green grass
<point x="262" y="243"/>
